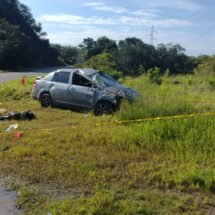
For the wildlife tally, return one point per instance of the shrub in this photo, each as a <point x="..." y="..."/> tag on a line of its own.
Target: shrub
<point x="155" y="75"/>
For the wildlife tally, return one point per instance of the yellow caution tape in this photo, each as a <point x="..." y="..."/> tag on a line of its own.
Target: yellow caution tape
<point x="120" y="122"/>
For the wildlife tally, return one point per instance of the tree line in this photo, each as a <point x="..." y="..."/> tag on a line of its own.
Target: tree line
<point x="133" y="57"/>
<point x="24" y="44"/>
<point x="22" y="40"/>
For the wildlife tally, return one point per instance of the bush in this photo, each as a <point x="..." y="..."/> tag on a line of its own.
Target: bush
<point x="206" y="67"/>
<point x="155" y="75"/>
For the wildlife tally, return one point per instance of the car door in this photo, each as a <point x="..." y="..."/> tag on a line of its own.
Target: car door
<point x="59" y="87"/>
<point x="81" y="92"/>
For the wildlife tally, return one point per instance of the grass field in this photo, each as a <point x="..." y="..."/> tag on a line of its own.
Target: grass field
<point x="154" y="167"/>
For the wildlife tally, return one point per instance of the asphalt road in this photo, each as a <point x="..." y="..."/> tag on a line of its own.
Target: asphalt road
<point x="7" y="76"/>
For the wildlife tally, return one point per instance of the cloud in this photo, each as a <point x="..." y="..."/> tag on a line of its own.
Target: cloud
<point x="75" y="20"/>
<point x="121" y="20"/>
<point x="102" y="6"/>
<point x="76" y="37"/>
<point x="145" y="12"/>
<point x="186" y="5"/>
<point x="137" y="21"/>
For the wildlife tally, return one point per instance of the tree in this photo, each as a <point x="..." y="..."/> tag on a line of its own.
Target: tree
<point x="103" y="62"/>
<point x="101" y="45"/>
<point x="12" y="42"/>
<point x="68" y="54"/>
<point x="134" y="57"/>
<point x="35" y="46"/>
<point x="172" y="57"/>
<point x="133" y="53"/>
<point x="106" y="45"/>
<point x="89" y="46"/>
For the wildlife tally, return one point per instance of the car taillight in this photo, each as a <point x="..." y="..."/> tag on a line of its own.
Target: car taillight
<point x="35" y="83"/>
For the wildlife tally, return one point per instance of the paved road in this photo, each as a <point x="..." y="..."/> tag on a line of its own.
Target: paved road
<point x="7" y="76"/>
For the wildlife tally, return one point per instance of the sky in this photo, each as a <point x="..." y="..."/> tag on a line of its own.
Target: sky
<point x="186" y="22"/>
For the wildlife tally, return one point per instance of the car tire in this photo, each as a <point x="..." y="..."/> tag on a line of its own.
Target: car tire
<point x="45" y="100"/>
<point x="103" y="108"/>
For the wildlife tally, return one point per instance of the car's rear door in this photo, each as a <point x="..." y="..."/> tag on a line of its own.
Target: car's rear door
<point x="59" y="87"/>
<point x="81" y="92"/>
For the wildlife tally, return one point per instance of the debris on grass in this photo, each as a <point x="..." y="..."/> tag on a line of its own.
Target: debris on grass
<point x="2" y="111"/>
<point x="12" y="127"/>
<point x="18" y="135"/>
<point x="26" y="115"/>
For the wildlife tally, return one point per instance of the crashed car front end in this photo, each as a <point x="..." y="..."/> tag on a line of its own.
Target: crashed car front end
<point x="111" y="90"/>
<point x="115" y="95"/>
<point x="106" y="94"/>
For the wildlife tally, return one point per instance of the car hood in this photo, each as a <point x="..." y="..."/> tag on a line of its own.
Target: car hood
<point x="123" y="91"/>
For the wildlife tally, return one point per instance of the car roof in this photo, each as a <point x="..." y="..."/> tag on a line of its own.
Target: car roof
<point x="84" y="71"/>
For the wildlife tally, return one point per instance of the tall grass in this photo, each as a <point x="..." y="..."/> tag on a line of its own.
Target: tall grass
<point x="154" y="167"/>
<point x="167" y="99"/>
<point x="15" y="91"/>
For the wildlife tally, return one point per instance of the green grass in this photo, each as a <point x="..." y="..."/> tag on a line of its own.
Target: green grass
<point x="14" y="91"/>
<point x="155" y="167"/>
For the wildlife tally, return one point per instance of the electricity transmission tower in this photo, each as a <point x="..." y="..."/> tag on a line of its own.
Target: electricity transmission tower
<point x="152" y="38"/>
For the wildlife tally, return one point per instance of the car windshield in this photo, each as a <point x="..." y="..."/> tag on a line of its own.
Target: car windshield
<point x="103" y="79"/>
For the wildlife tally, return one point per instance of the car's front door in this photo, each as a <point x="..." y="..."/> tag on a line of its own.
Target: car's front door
<point x="81" y="92"/>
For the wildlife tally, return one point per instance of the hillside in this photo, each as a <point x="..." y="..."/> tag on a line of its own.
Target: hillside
<point x="22" y="40"/>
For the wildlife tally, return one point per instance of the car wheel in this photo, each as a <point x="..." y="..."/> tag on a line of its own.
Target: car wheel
<point x="103" y="107"/>
<point x="45" y="100"/>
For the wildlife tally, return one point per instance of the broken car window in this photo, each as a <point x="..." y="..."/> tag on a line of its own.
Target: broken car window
<point x="80" y="81"/>
<point x="103" y="79"/>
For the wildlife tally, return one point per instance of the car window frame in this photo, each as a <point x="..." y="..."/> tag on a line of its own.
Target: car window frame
<point x="78" y="73"/>
<point x="56" y="73"/>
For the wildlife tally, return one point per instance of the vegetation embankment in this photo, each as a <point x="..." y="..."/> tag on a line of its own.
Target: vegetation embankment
<point x="155" y="167"/>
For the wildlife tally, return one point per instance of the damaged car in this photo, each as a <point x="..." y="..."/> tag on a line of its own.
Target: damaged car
<point x="80" y="89"/>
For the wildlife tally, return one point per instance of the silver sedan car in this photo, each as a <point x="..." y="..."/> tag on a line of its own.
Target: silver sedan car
<point x="81" y="89"/>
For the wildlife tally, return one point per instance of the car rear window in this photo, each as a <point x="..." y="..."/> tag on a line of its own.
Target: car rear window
<point x="62" y="77"/>
<point x="49" y="76"/>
